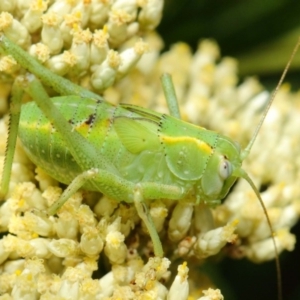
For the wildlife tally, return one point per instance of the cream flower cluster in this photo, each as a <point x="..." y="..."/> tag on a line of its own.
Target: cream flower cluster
<point x="95" y="43"/>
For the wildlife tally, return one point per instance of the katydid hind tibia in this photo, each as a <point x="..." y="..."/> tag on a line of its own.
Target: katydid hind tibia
<point x="126" y="152"/>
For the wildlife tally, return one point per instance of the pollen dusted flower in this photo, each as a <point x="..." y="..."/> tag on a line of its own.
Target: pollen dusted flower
<point x="110" y="47"/>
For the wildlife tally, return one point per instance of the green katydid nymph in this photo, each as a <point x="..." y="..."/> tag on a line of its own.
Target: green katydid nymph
<point x="126" y="152"/>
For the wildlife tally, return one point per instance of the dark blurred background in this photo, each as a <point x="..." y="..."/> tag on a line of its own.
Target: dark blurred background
<point x="261" y="34"/>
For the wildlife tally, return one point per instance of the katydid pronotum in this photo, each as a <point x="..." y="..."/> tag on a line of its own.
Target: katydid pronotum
<point x="136" y="154"/>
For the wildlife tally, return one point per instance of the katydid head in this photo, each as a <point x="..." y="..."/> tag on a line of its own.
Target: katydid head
<point x="221" y="169"/>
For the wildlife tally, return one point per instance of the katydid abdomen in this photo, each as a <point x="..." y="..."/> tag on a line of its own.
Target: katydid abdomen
<point x="141" y="145"/>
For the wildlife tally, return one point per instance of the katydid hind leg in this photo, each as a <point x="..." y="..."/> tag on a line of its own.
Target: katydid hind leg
<point x="58" y="83"/>
<point x="15" y="109"/>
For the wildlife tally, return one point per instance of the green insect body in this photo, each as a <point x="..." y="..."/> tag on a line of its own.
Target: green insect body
<point x="127" y="152"/>
<point x="140" y="145"/>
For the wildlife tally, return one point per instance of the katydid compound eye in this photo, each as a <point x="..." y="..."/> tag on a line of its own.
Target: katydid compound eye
<point x="225" y="169"/>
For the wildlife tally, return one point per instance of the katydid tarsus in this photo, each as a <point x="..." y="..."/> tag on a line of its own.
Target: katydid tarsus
<point x="126" y="152"/>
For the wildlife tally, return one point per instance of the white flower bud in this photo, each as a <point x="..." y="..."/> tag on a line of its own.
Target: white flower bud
<point x="35" y="266"/>
<point x="161" y="291"/>
<point x="180" y="221"/>
<point x="115" y="248"/>
<point x="90" y="242"/>
<point x="117" y="26"/>
<point x="81" y="49"/>
<point x="14" y="266"/>
<point x="99" y="47"/>
<point x="51" y="34"/>
<point x="88" y="265"/>
<point x="151" y="14"/>
<point x="40" y="248"/>
<point x="130" y="6"/>
<point x="185" y="246"/>
<point x="66" y="226"/>
<point x="70" y="21"/>
<point x="8" y="65"/>
<point x="204" y="220"/>
<point x="158" y="265"/>
<point x="51" y="194"/>
<point x="211" y="294"/>
<point x="61" y="64"/>
<point x="62" y="7"/>
<point x="211" y="242"/>
<point x="14" y="30"/>
<point x="130" y="57"/>
<point x="22" y="248"/>
<point x="123" y="274"/>
<point x="7" y="210"/>
<point x="99" y="12"/>
<point x="32" y="18"/>
<point x="40" y="51"/>
<point x="128" y="215"/>
<point x="105" y="207"/>
<point x="26" y="284"/>
<point x="89" y="289"/>
<point x="158" y="212"/>
<point x="7" y="5"/>
<point x="107" y="284"/>
<point x="123" y="292"/>
<point x="63" y="247"/>
<point x="105" y="74"/>
<point x="85" y="8"/>
<point x="22" y="6"/>
<point x="34" y="222"/>
<point x="30" y="195"/>
<point x="180" y="286"/>
<point x="85" y="217"/>
<point x="20" y="173"/>
<point x="69" y="289"/>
